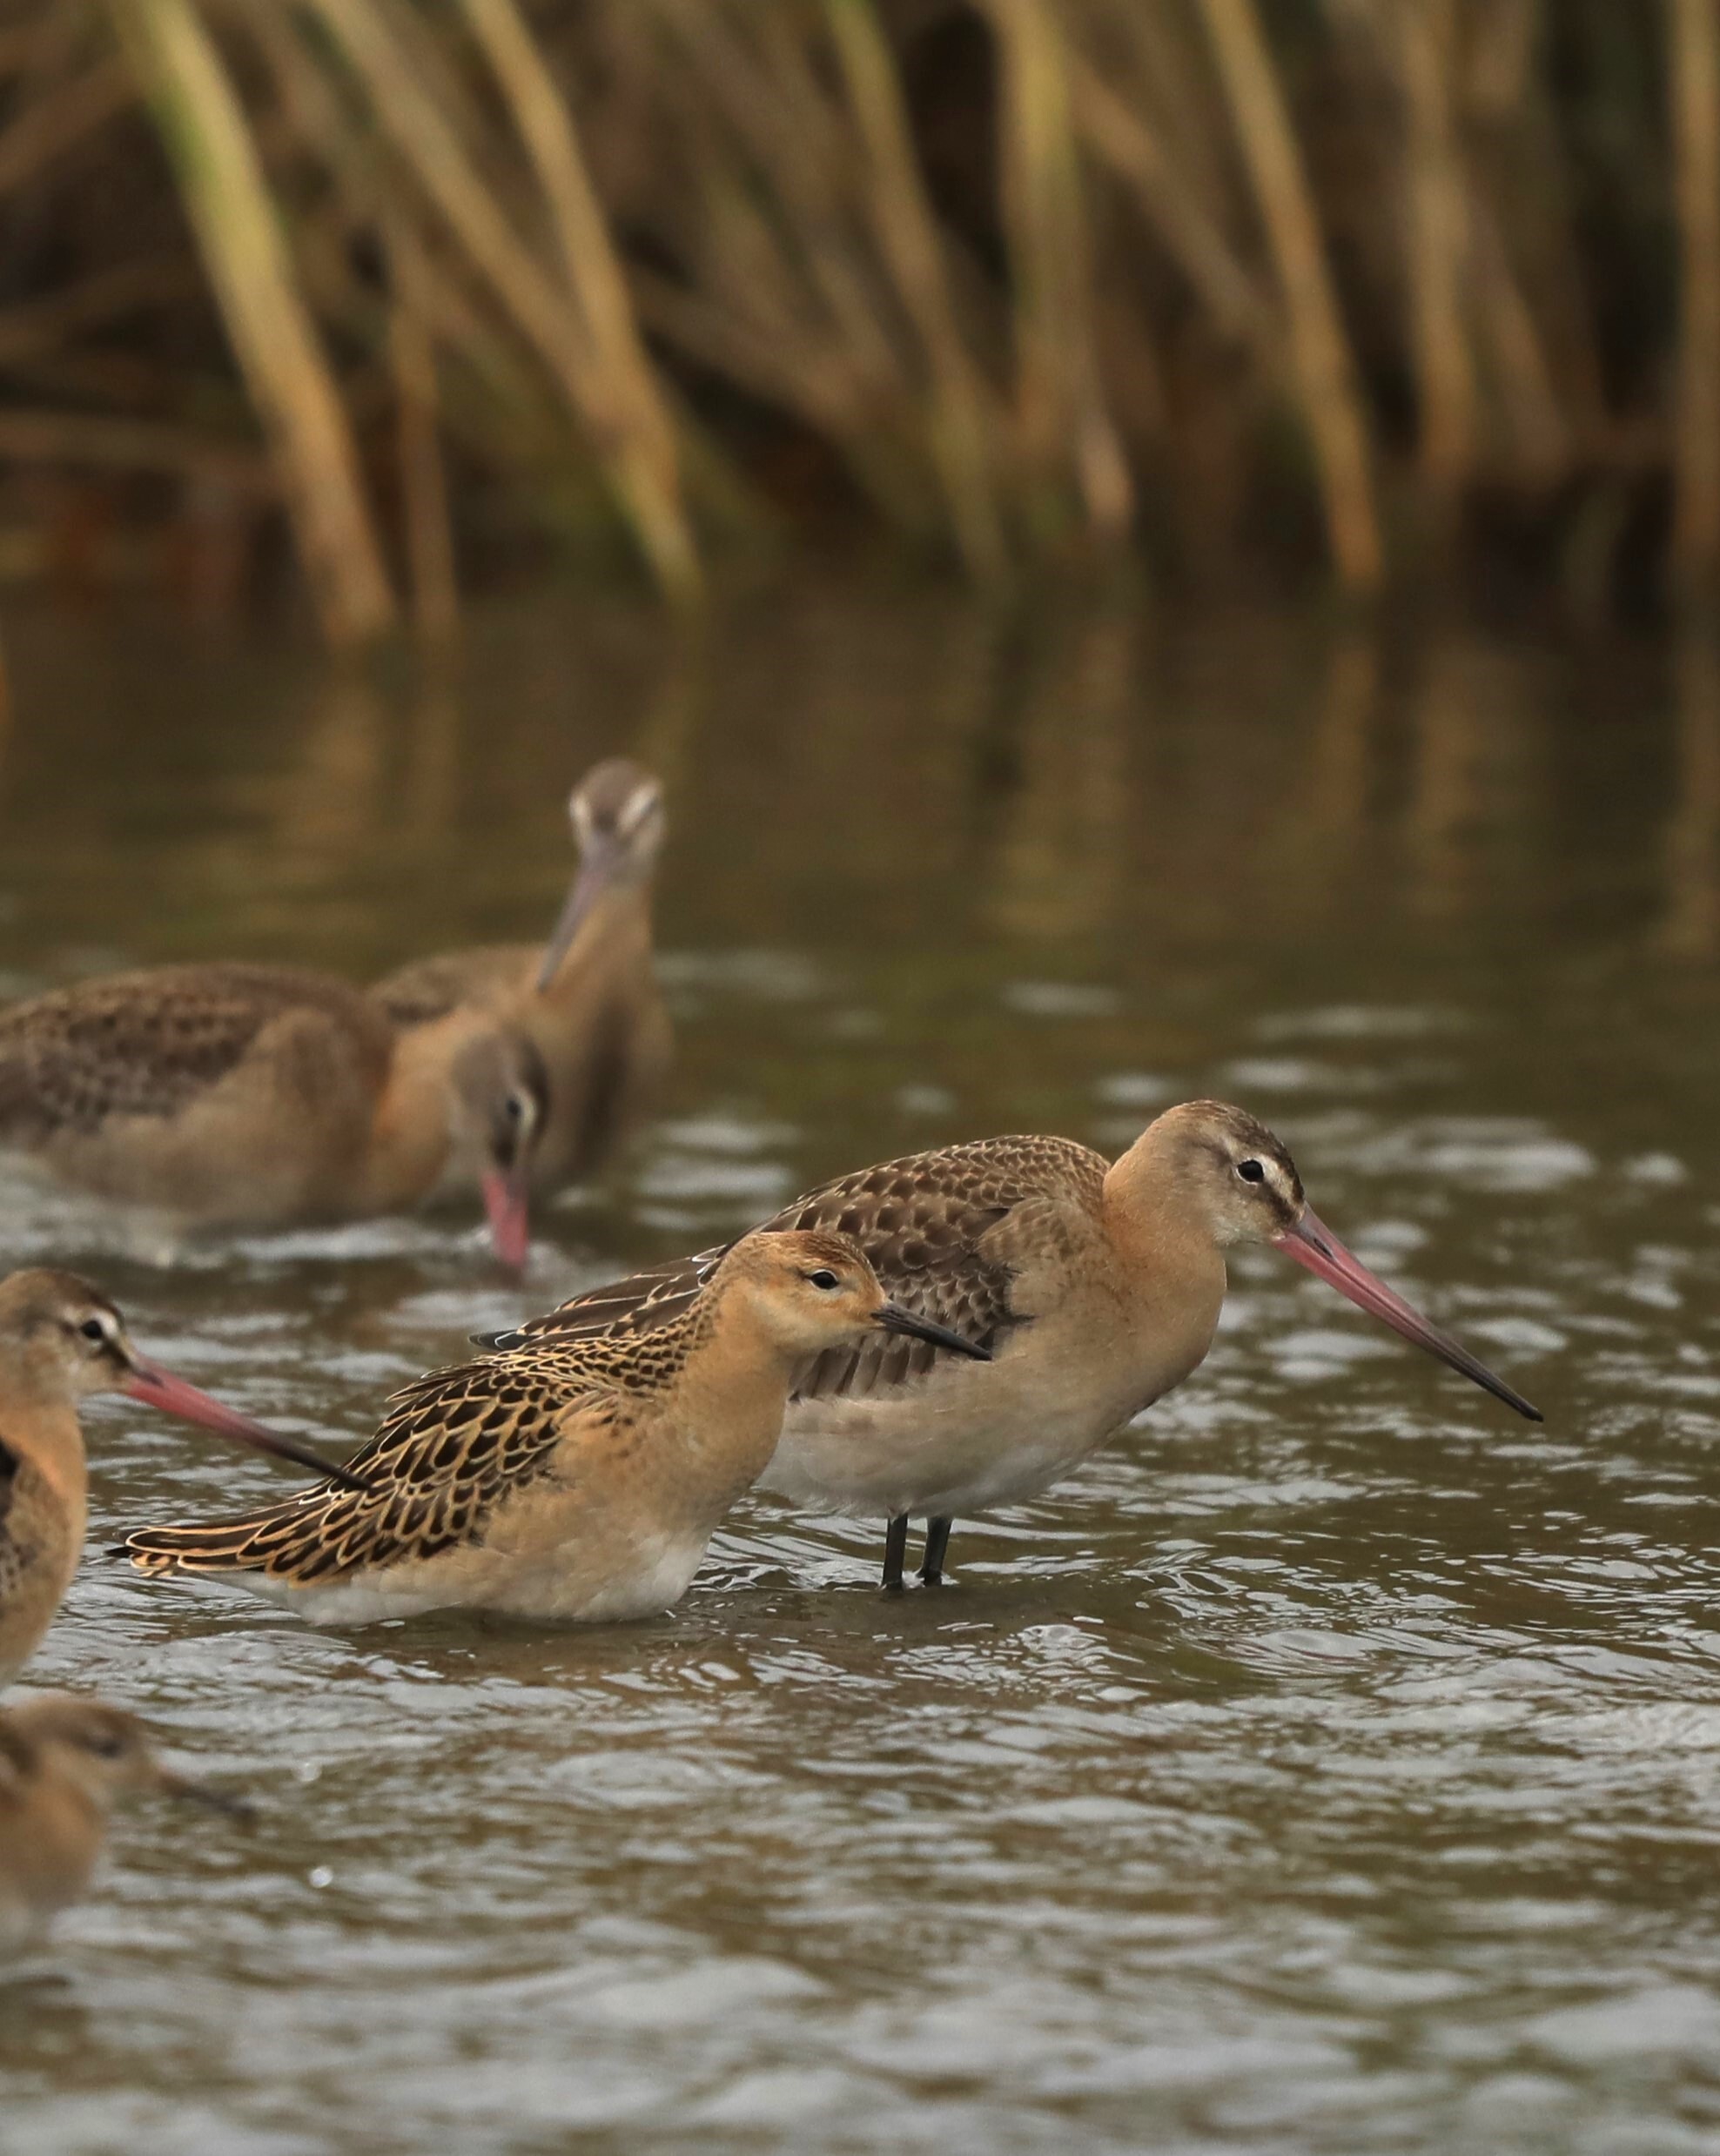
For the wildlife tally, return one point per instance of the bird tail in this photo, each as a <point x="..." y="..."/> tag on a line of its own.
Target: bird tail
<point x="258" y="1543"/>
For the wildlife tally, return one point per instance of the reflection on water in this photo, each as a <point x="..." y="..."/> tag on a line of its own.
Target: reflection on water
<point x="1333" y="1765"/>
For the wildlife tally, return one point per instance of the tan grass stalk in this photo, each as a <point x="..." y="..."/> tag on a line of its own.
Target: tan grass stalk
<point x="46" y="324"/>
<point x="1118" y="134"/>
<point x="229" y="207"/>
<point x="1694" y="91"/>
<point x="430" y="148"/>
<point x="903" y="220"/>
<point x="647" y="451"/>
<point x="1062" y="401"/>
<point x="61" y="118"/>
<point x="1521" y="381"/>
<point x="787" y="138"/>
<point x="1438" y="244"/>
<point x="424" y="489"/>
<point x="1320" y="347"/>
<point x="506" y="412"/>
<point x="96" y="439"/>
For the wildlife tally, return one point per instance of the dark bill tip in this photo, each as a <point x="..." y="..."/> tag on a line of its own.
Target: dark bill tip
<point x="1312" y="1243"/>
<point x="894" y="1319"/>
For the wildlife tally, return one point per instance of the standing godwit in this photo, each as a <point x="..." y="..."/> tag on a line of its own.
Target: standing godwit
<point x="64" y="1763"/>
<point x="589" y="998"/>
<point x="60" y="1340"/>
<point x="581" y="1479"/>
<point x="242" y="1095"/>
<point x="1098" y="1285"/>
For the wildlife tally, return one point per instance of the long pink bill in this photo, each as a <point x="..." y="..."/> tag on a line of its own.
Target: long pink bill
<point x="508" y="1205"/>
<point x="1311" y="1243"/>
<point x="175" y="1397"/>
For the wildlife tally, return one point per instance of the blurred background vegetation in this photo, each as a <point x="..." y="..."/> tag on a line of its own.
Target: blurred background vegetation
<point x="403" y="298"/>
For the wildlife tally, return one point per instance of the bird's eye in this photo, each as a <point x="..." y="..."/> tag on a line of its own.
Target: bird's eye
<point x="93" y="1329"/>
<point x="514" y="1107"/>
<point x="824" y="1278"/>
<point x="1251" y="1172"/>
<point x="106" y="1746"/>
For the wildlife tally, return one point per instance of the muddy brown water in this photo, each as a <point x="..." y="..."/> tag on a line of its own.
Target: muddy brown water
<point x="1333" y="1764"/>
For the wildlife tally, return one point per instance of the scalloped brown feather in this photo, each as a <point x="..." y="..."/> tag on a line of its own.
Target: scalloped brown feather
<point x="494" y="976"/>
<point x="452" y="1446"/>
<point x="940" y="1228"/>
<point x="148" y="1043"/>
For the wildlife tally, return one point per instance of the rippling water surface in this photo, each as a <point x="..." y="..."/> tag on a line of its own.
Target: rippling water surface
<point x="1333" y="1764"/>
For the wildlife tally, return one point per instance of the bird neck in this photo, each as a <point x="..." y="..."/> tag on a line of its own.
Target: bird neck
<point x="733" y="1387"/>
<point x="1154" y="1222"/>
<point x="64" y="1827"/>
<point x="412" y="1133"/>
<point x="611" y="940"/>
<point x="38" y="1423"/>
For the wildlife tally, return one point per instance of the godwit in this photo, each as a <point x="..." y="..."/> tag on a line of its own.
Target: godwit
<point x="578" y="1479"/>
<point x="1097" y="1284"/>
<point x="589" y="998"/>
<point x="60" y="1340"/>
<point x="64" y="1763"/>
<point x="238" y="1096"/>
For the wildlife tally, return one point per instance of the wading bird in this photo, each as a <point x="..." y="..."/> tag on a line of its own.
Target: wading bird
<point x="60" y="1340"/>
<point x="589" y="998"/>
<point x="251" y="1095"/>
<point x="64" y="1763"/>
<point x="1096" y="1284"/>
<point x="577" y="1478"/>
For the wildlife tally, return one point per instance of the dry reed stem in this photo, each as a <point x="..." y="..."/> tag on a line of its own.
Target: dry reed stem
<point x="1538" y="438"/>
<point x="296" y="399"/>
<point x="1062" y="404"/>
<point x="1120" y="136"/>
<point x="1325" y="366"/>
<point x="361" y="200"/>
<point x="430" y="149"/>
<point x="790" y="195"/>
<point x="61" y="118"/>
<point x="780" y="290"/>
<point x="1695" y="34"/>
<point x="35" y="325"/>
<point x="424" y="491"/>
<point x="908" y="238"/>
<point x="1438" y="243"/>
<point x="647" y="451"/>
<point x="95" y="439"/>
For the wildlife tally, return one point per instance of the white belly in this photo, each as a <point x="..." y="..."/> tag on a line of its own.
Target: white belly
<point x="966" y="1437"/>
<point x="580" y="1585"/>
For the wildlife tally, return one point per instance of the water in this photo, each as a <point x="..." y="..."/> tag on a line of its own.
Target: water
<point x="1333" y="1764"/>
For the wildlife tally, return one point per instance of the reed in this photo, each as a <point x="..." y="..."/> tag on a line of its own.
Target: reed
<point x="1695" y="127"/>
<point x="444" y="288"/>
<point x="296" y="399"/>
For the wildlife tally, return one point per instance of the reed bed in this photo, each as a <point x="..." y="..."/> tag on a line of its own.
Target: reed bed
<point x="434" y="289"/>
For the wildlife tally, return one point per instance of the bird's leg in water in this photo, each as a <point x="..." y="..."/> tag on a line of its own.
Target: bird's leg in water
<point x="937" y="1546"/>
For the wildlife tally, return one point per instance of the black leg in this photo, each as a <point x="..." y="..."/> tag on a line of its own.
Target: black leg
<point x="895" y="1550"/>
<point x="937" y="1543"/>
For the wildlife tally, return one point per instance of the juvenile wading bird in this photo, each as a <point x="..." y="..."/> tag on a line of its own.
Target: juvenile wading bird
<point x="64" y="1763"/>
<point x="1098" y="1285"/>
<point x="250" y="1095"/>
<point x="577" y="1478"/>
<point x="60" y="1340"/>
<point x="589" y="998"/>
